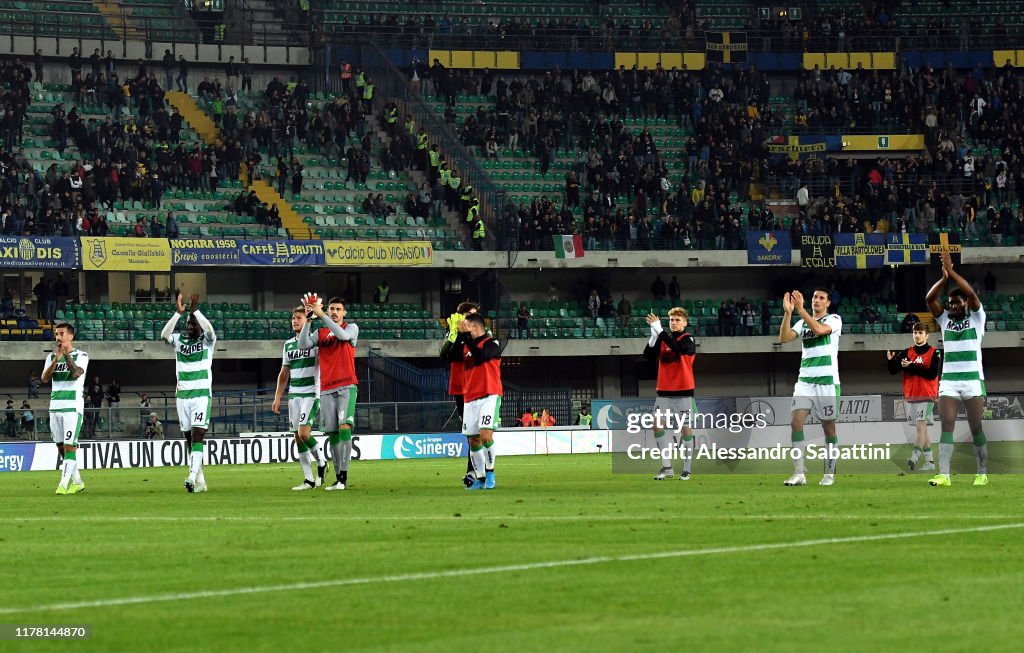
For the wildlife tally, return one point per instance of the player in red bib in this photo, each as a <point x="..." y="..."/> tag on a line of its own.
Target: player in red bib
<point x="675" y="405"/>
<point x="337" y="341"/>
<point x="921" y="365"/>
<point x="455" y="354"/>
<point x="481" y="389"/>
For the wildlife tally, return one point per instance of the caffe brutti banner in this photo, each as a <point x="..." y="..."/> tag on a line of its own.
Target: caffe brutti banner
<point x="186" y="252"/>
<point x="112" y="254"/>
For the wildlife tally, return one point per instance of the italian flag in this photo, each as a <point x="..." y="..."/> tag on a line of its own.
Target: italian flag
<point x="568" y="246"/>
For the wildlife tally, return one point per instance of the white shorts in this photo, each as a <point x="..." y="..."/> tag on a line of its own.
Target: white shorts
<point x="821" y="400"/>
<point x="482" y="413"/>
<point x="682" y="408"/>
<point x="918" y="411"/>
<point x="302" y="411"/>
<point x="962" y="389"/>
<point x="65" y="427"/>
<point x="194" y="413"/>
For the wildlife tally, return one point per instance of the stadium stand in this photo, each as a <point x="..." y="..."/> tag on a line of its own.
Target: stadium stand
<point x="549" y="320"/>
<point x="69" y="184"/>
<point x="533" y="25"/>
<point x="678" y="160"/>
<point x="333" y="166"/>
<point x="106" y="20"/>
<point x="75" y="18"/>
<point x="694" y="144"/>
<point x="155" y="20"/>
<point x="236" y="321"/>
<point x="617" y="25"/>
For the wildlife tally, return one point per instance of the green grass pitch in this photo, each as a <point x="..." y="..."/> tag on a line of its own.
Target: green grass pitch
<point x="563" y="556"/>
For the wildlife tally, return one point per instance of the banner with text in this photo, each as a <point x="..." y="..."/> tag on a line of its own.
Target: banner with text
<point x="109" y="254"/>
<point x="204" y="251"/>
<point x="617" y="414"/>
<point x="817" y="252"/>
<point x="366" y="253"/>
<point x="944" y="242"/>
<point x="280" y="252"/>
<point x="769" y="248"/>
<point x="39" y="252"/>
<point x="858" y="251"/>
<point x="777" y="410"/>
<point x="906" y="249"/>
<point x="279" y="447"/>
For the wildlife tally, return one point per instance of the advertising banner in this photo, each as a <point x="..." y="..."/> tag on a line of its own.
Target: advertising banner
<point x="615" y="414"/>
<point x="109" y="254"/>
<point x="204" y="251"/>
<point x="18" y="456"/>
<point x="280" y="447"/>
<point x="281" y="252"/>
<point x="777" y="410"/>
<point x="39" y="252"/>
<point x="369" y="253"/>
<point x="423" y="445"/>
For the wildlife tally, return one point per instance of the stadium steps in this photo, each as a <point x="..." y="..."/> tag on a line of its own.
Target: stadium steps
<point x="290" y="219"/>
<point x="194" y="116"/>
<point x="452" y="219"/>
<point x="111" y="13"/>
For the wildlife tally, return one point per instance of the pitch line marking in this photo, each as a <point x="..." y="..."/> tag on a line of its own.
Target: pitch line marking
<point x="459" y="573"/>
<point x="440" y="518"/>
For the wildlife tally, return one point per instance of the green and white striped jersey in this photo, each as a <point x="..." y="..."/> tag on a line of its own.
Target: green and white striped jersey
<point x="303" y="370"/>
<point x="193" y="362"/>
<point x="962" y="344"/>
<point x="819" y="362"/>
<point x="67" y="394"/>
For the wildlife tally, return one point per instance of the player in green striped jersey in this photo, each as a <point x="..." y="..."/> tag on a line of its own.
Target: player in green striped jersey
<point x="194" y="392"/>
<point x="817" y="386"/>
<point x="65" y="368"/>
<point x="962" y="322"/>
<point x="300" y="374"/>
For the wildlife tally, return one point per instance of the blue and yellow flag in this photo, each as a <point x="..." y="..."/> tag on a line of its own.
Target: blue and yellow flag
<point x="944" y="242"/>
<point x="769" y="248"/>
<point x="859" y="251"/>
<point x="906" y="249"/>
<point x="726" y="47"/>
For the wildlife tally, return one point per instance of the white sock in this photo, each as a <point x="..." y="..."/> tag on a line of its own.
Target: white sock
<point x="928" y="455"/>
<point x="67" y="470"/>
<point x="489" y="457"/>
<point x="799" y="457"/>
<point x="76" y="478"/>
<point x="665" y="445"/>
<point x="195" y="467"/>
<point x="915" y="454"/>
<point x="479" y="462"/>
<point x="201" y="477"/>
<point x="687" y="453"/>
<point x="307" y="471"/>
